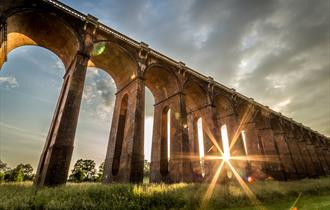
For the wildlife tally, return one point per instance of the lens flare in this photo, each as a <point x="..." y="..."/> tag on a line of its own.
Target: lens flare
<point x="225" y="143"/>
<point x="252" y="197"/>
<point x="250" y="179"/>
<point x="244" y="142"/>
<point x="98" y="48"/>
<point x="246" y="116"/>
<point x="211" y="187"/>
<point x="226" y="157"/>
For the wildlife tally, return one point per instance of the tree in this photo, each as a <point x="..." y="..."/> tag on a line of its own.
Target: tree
<point x="22" y="172"/>
<point x="2" y="177"/>
<point x="100" y="172"/>
<point x="27" y="170"/>
<point x="5" y="172"/>
<point x="15" y="175"/>
<point x="77" y="176"/>
<point x="83" y="170"/>
<point x="3" y="167"/>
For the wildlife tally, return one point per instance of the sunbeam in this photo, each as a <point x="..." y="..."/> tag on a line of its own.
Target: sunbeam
<point x="239" y="129"/>
<point x="244" y="142"/>
<point x="225" y="143"/>
<point x="246" y="189"/>
<point x="261" y="158"/>
<point x="211" y="187"/>
<point x="226" y="157"/>
<point x="212" y="138"/>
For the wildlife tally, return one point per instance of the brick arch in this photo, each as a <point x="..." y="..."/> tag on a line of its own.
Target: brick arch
<point x="261" y="119"/>
<point x="276" y="124"/>
<point x="23" y="28"/>
<point x="115" y="60"/>
<point x="246" y="112"/>
<point x="161" y="81"/>
<point x="195" y="94"/>
<point x="224" y="105"/>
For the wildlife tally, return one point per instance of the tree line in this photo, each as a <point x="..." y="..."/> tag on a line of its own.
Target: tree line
<point x="22" y="172"/>
<point x="83" y="171"/>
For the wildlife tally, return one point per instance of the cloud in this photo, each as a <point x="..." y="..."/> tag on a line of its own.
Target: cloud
<point x="106" y="89"/>
<point x="281" y="105"/>
<point x="21" y="131"/>
<point x="104" y="112"/>
<point x="88" y="93"/>
<point x="9" y="82"/>
<point x="290" y="59"/>
<point x="99" y="94"/>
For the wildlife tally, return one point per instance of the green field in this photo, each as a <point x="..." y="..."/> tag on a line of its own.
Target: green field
<point x="315" y="194"/>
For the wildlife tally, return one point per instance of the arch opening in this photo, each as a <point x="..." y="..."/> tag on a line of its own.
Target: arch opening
<point x="244" y="142"/>
<point x="225" y="142"/>
<point x="94" y="123"/>
<point x="28" y="96"/>
<point x="148" y="133"/>
<point x="200" y="140"/>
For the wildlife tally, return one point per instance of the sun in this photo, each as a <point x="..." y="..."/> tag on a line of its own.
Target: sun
<point x="226" y="157"/>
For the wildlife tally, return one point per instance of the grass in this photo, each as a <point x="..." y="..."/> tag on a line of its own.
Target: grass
<point x="315" y="194"/>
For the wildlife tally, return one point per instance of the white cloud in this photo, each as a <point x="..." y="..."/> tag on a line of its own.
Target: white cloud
<point x="282" y="105"/>
<point x="9" y="82"/>
<point x="276" y="82"/>
<point x="88" y="93"/>
<point x="104" y="112"/>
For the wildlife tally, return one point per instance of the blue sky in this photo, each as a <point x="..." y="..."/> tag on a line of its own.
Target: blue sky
<point x="274" y="51"/>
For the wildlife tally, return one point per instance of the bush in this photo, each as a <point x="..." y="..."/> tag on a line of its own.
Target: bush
<point x="77" y="176"/>
<point x="14" y="175"/>
<point x="22" y="172"/>
<point x="83" y="170"/>
<point x="2" y="177"/>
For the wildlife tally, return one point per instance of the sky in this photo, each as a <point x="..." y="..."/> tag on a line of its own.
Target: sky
<point x="276" y="52"/>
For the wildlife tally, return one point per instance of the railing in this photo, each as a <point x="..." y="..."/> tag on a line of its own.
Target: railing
<point x="118" y="35"/>
<point x="157" y="54"/>
<point x="67" y="9"/>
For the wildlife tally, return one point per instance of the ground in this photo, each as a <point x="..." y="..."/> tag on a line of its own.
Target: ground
<point x="314" y="194"/>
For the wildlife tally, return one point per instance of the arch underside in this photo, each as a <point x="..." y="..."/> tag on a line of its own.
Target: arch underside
<point x="44" y="30"/>
<point x="116" y="61"/>
<point x="195" y="95"/>
<point x="162" y="82"/>
<point x="224" y="106"/>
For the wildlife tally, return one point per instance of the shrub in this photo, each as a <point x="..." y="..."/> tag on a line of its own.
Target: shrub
<point x="16" y="175"/>
<point x="2" y="177"/>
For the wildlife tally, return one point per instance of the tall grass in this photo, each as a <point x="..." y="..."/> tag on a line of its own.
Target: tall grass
<point x="155" y="196"/>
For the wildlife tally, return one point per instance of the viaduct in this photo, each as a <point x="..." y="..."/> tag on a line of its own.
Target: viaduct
<point x="80" y="41"/>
